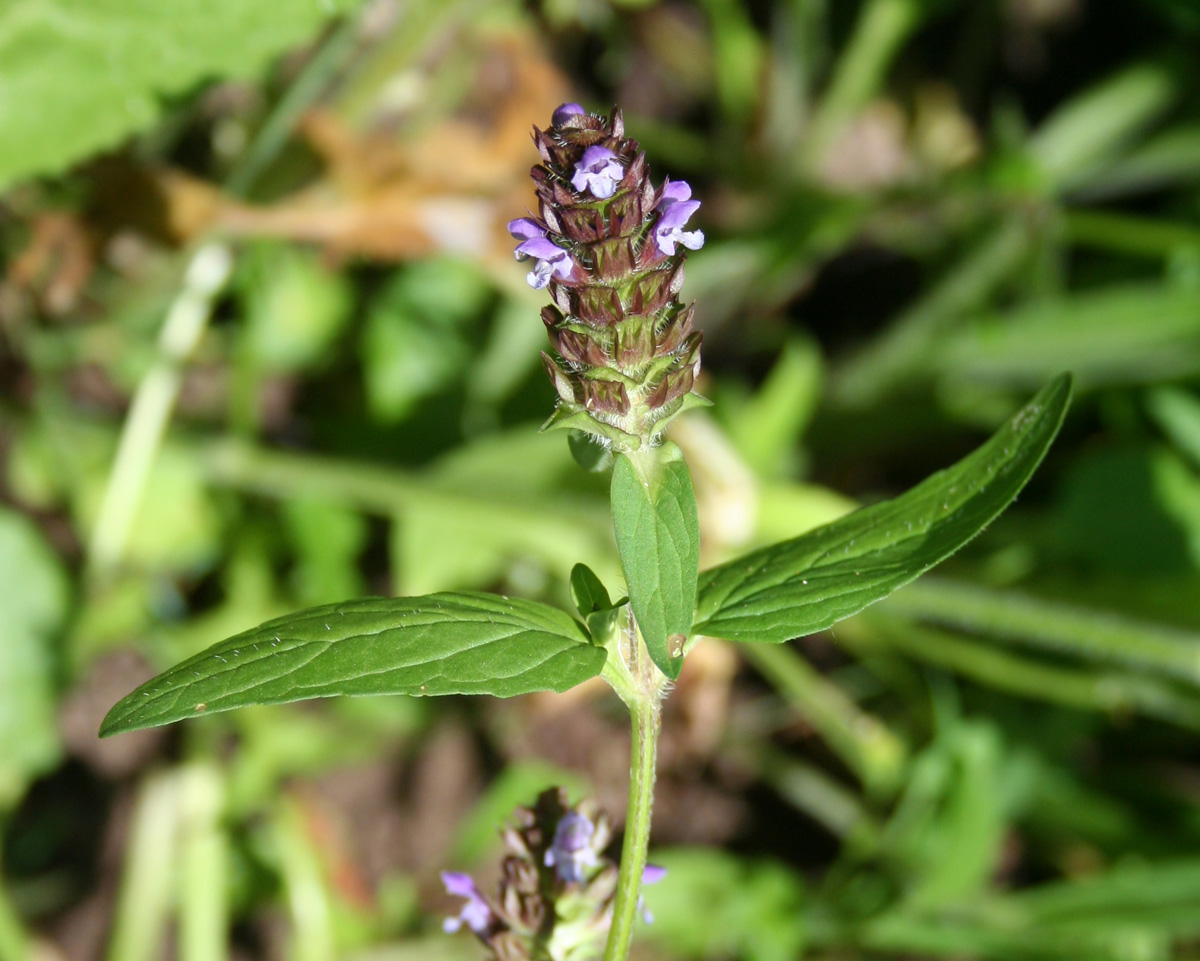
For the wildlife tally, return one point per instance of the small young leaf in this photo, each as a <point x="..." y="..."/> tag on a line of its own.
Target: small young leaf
<point x="658" y="538"/>
<point x="461" y="643"/>
<point x="588" y="454"/>
<point x="808" y="584"/>
<point x="588" y="593"/>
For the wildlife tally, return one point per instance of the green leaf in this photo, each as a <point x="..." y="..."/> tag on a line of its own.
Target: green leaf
<point x="587" y="591"/>
<point x="465" y="643"/>
<point x="35" y="602"/>
<point x="658" y="539"/>
<point x="808" y="584"/>
<point x="80" y="77"/>
<point x="713" y="904"/>
<point x="588" y="454"/>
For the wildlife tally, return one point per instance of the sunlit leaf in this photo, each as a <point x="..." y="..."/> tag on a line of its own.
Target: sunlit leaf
<point x="810" y="583"/>
<point x="464" y="643"/>
<point x="658" y="538"/>
<point x="79" y="77"/>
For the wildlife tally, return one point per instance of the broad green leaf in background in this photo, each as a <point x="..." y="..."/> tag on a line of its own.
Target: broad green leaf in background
<point x="1093" y="126"/>
<point x="658" y="538"/>
<point x="76" y="78"/>
<point x="35" y="603"/>
<point x="808" y="584"/>
<point x="1177" y="412"/>
<point x="295" y="307"/>
<point x="713" y="904"/>
<point x="1063" y="629"/>
<point x="1121" y="334"/>
<point x="466" y="643"/>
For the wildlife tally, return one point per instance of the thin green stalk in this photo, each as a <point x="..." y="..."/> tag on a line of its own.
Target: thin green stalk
<point x="14" y="943"/>
<point x="904" y="348"/>
<point x="861" y="740"/>
<point x="882" y="27"/>
<point x="645" y="714"/>
<point x="140" y="920"/>
<point x="304" y="90"/>
<point x="1125" y="234"/>
<point x="146" y="422"/>
<point x="1016" y="618"/>
<point x="203" y="866"/>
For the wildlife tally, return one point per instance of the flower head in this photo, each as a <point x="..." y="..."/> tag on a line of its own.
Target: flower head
<point x="566" y="112"/>
<point x="476" y="914"/>
<point x="551" y="260"/>
<point x="610" y="246"/>
<point x="674" y="210"/>
<point x="571" y="851"/>
<point x="598" y="171"/>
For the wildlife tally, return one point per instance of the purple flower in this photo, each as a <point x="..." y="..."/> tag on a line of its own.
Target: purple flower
<point x="475" y="914"/>
<point x="566" y="112"/>
<point x="599" y="171"/>
<point x="571" y="851"/>
<point x="551" y="259"/>
<point x="651" y="875"/>
<point x="674" y="210"/>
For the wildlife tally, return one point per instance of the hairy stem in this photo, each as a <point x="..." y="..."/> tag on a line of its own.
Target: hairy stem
<point x="645" y="716"/>
<point x="641" y="690"/>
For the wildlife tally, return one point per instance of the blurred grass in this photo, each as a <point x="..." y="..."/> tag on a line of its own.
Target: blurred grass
<point x="915" y="212"/>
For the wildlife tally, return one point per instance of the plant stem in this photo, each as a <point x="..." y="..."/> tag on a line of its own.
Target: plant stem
<point x="146" y="422"/>
<point x="645" y="714"/>
<point x="14" y="942"/>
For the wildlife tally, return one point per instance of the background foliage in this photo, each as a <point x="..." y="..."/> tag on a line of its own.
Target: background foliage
<point x="269" y="349"/>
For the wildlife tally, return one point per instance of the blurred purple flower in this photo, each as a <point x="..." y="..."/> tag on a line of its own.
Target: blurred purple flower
<point x="674" y="210"/>
<point x="475" y="914"/>
<point x="571" y="851"/>
<point x="551" y="259"/>
<point x="651" y="875"/>
<point x="566" y="112"/>
<point x="599" y="171"/>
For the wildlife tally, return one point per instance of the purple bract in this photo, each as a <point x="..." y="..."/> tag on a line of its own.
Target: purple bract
<point x="598" y="171"/>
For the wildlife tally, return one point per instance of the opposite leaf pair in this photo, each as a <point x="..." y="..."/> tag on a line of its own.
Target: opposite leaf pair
<point x="475" y="643"/>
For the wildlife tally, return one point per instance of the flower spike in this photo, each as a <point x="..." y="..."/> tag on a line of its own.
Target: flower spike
<point x="609" y="247"/>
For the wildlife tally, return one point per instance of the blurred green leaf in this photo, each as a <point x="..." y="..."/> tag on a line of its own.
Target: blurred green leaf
<point x="1177" y="412"/>
<point x="439" y="644"/>
<point x="1117" y="335"/>
<point x="658" y="538"/>
<point x="35" y="606"/>
<point x="417" y="341"/>
<point x="810" y="583"/>
<point x="328" y="540"/>
<point x="80" y="77"/>
<point x="713" y="904"/>
<point x="295" y="307"/>
<point x="1050" y="626"/>
<point x="1088" y="129"/>
<point x="766" y="426"/>
<point x="1130" y="508"/>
